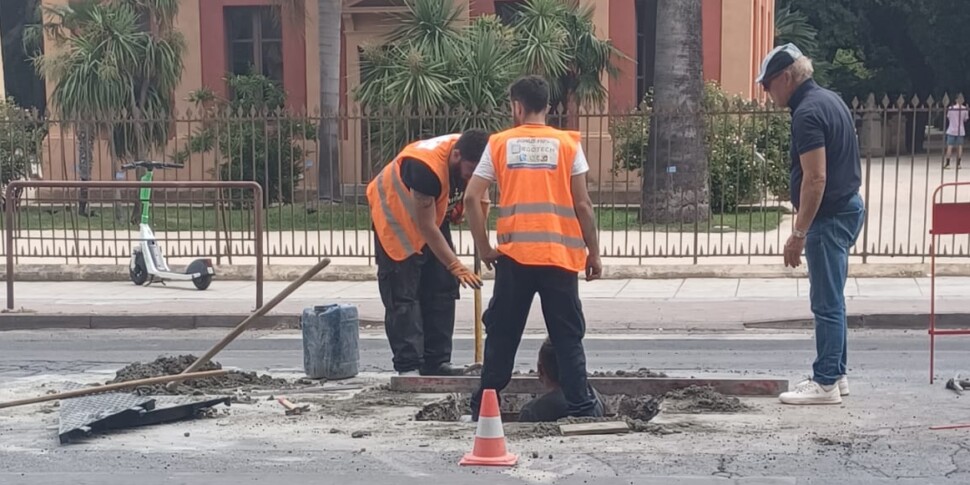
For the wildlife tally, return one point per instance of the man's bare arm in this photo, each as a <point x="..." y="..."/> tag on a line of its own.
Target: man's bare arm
<point x="812" y="189"/>
<point x="424" y="210"/>
<point x="475" y="193"/>
<point x="584" y="212"/>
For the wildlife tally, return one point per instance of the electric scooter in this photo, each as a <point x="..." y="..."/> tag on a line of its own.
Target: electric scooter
<point x="147" y="262"/>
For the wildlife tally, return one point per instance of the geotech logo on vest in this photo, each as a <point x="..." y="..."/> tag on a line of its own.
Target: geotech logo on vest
<point x="533" y="153"/>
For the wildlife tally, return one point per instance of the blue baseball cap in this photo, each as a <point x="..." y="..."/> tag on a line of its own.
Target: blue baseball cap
<point x="778" y="60"/>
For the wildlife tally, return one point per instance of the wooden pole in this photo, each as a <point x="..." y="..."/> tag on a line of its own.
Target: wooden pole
<point x="479" y="347"/>
<point x="263" y="310"/>
<point x="115" y="387"/>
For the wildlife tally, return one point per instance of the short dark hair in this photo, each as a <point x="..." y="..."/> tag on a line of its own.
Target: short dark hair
<point x="547" y="358"/>
<point x="471" y="144"/>
<point x="532" y="92"/>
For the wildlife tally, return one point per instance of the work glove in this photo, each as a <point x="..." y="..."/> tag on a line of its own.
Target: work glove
<point x="457" y="213"/>
<point x="465" y="275"/>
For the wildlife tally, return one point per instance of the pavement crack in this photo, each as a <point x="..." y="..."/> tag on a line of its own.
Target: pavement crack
<point x="609" y="465"/>
<point x="957" y="468"/>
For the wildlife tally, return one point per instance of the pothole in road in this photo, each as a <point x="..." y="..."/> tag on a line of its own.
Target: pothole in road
<point x="636" y="411"/>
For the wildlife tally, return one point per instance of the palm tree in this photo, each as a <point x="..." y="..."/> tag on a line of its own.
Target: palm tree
<point x="557" y="39"/>
<point x="115" y="67"/>
<point x="675" y="175"/>
<point x="430" y="70"/>
<point x="329" y="38"/>
<point x="431" y="77"/>
<point x="793" y="26"/>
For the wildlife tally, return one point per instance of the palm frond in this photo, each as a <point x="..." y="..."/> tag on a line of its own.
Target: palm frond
<point x="793" y="26"/>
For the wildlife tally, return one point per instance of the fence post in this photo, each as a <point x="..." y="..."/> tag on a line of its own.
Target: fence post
<point x="13" y="186"/>
<point x="258" y="240"/>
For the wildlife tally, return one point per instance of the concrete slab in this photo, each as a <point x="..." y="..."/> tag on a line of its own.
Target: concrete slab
<point x="605" y="385"/>
<point x="851" y="288"/>
<point x="601" y="288"/>
<point x="637" y="289"/>
<point x="708" y="289"/>
<point x="889" y="287"/>
<point x="768" y="288"/>
<point x="946" y="286"/>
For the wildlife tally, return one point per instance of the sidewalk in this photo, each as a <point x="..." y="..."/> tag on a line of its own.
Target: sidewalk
<point x="611" y="306"/>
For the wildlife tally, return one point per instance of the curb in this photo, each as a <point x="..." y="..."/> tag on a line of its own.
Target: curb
<point x="39" y="321"/>
<point x="916" y="321"/>
<point x="284" y="272"/>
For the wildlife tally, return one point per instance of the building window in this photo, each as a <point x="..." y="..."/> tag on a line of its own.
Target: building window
<point x="255" y="41"/>
<point x="506" y="10"/>
<point x="646" y="45"/>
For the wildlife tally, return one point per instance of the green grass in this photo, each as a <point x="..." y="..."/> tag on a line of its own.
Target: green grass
<point x="350" y="217"/>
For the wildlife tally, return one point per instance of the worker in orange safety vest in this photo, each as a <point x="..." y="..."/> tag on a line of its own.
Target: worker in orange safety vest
<point x="546" y="235"/>
<point x="413" y="201"/>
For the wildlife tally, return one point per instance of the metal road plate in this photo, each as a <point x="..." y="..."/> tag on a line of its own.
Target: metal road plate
<point x="175" y="408"/>
<point x="81" y="416"/>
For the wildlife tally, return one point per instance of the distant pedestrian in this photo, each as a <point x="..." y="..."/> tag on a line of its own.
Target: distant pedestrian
<point x="956" y="129"/>
<point x="826" y="174"/>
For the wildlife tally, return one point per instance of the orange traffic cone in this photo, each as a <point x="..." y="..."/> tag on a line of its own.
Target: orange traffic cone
<point x="489" y="447"/>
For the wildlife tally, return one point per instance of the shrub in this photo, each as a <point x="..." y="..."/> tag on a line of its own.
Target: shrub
<point x="747" y="148"/>
<point x="21" y="134"/>
<point x="256" y="138"/>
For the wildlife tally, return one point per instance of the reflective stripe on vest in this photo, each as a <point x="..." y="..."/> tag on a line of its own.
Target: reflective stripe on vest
<point x="537" y="208"/>
<point x="541" y="237"/>
<point x="386" y="207"/>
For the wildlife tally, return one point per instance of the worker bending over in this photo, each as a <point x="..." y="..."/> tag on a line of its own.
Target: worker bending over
<point x="546" y="235"/>
<point x="411" y="202"/>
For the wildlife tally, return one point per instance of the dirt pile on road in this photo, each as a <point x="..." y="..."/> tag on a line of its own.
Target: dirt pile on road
<point x="700" y="400"/>
<point x="451" y="408"/>
<point x="167" y="365"/>
<point x="642" y="408"/>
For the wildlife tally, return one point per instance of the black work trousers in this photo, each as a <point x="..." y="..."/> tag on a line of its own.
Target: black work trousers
<point x="515" y="287"/>
<point x="419" y="296"/>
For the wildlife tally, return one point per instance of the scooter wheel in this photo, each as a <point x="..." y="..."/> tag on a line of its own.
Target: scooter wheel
<point x="139" y="274"/>
<point x="202" y="282"/>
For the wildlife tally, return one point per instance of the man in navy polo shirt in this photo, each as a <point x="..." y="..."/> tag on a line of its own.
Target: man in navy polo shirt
<point x="826" y="174"/>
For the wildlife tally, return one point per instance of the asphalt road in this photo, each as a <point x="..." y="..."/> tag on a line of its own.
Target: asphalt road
<point x="880" y="435"/>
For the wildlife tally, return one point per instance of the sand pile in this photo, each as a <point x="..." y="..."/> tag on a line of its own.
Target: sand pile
<point x="165" y="365"/>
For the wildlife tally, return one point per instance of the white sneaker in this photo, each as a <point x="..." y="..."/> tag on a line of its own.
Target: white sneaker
<point x="843" y="386"/>
<point x="410" y="373"/>
<point x="811" y="392"/>
<point x="843" y="383"/>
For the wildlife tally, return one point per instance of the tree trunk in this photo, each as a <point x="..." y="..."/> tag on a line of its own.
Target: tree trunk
<point x="328" y="141"/>
<point x="675" y="177"/>
<point x="85" y="153"/>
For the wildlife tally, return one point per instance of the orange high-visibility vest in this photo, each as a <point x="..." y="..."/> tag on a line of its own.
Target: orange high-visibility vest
<point x="390" y="200"/>
<point x="537" y="223"/>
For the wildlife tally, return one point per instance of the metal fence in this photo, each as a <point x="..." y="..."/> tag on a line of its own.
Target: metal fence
<point x="722" y="195"/>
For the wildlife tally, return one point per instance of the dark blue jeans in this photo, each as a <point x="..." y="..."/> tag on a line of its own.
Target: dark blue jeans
<point x="827" y="251"/>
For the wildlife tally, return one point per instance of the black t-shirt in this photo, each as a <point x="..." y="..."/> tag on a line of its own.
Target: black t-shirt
<point x="417" y="176"/>
<point x="821" y="119"/>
